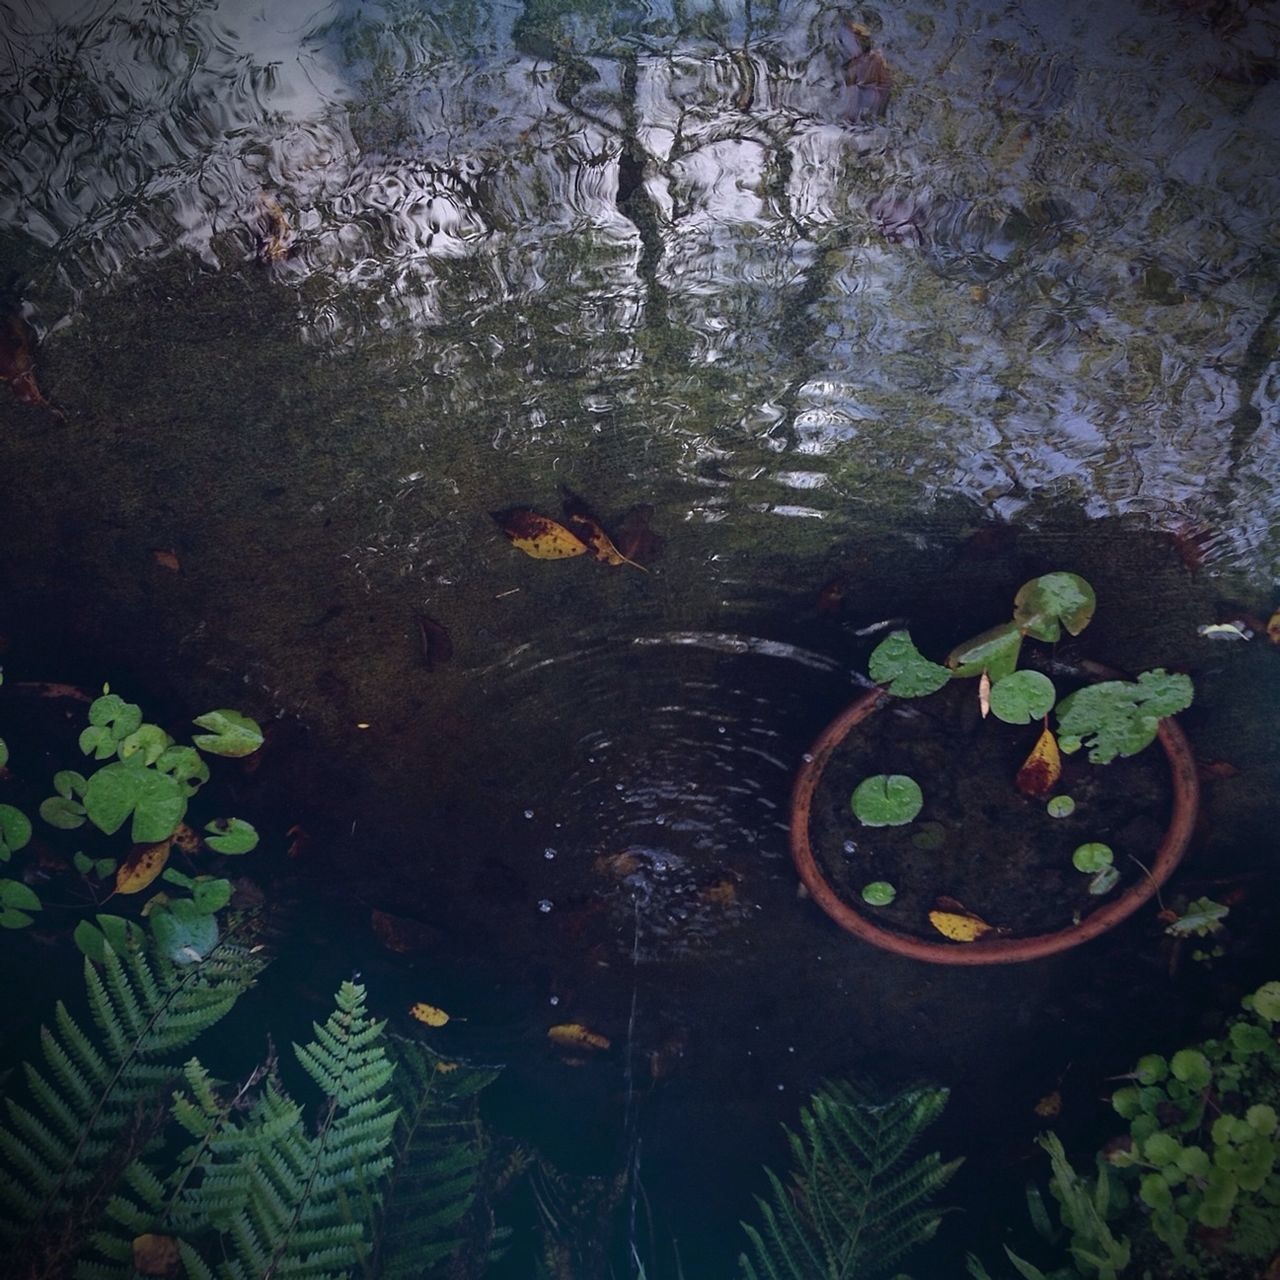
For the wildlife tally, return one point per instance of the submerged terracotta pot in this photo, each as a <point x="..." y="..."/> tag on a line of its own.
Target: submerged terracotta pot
<point x="993" y="950"/>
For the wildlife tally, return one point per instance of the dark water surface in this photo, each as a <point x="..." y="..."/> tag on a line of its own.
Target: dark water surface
<point x="318" y="288"/>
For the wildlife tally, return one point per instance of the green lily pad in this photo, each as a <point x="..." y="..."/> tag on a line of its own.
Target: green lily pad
<point x="68" y="783"/>
<point x="879" y="893"/>
<point x="1266" y="1001"/>
<point x="886" y="800"/>
<point x="1055" y="600"/>
<point x="1104" y="881"/>
<point x="995" y="652"/>
<point x="154" y="799"/>
<point x="12" y="918"/>
<point x="231" y="835"/>
<point x="150" y="739"/>
<point x="183" y="936"/>
<point x="210" y="895"/>
<point x="1022" y="697"/>
<point x="119" y="934"/>
<point x="186" y="766"/>
<point x="1060" y="807"/>
<point x="897" y="662"/>
<point x="15" y="831"/>
<point x="230" y="733"/>
<point x="1093" y="857"/>
<point x="60" y="812"/>
<point x="14" y="895"/>
<point x="112" y="712"/>
<point x="1121" y="717"/>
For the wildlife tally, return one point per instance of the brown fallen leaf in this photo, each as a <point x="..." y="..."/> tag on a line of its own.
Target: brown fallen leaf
<point x="185" y="839"/>
<point x="401" y="934"/>
<point x="155" y="1255"/>
<point x="616" y="865"/>
<point x="275" y="237"/>
<point x="831" y="597"/>
<point x="17" y="367"/>
<point x="867" y="79"/>
<point x="140" y="868"/>
<point x="720" y="893"/>
<point x="166" y="558"/>
<point x="635" y="539"/>
<point x="573" y="1035"/>
<point x="1214" y="770"/>
<point x="436" y="645"/>
<point x="1050" y="1105"/>
<point x="1042" y="768"/>
<point x="581" y="521"/>
<point x="538" y="536"/>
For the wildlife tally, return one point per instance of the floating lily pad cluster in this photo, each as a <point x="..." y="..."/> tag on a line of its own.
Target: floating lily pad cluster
<point x="145" y="779"/>
<point x="1110" y="719"/>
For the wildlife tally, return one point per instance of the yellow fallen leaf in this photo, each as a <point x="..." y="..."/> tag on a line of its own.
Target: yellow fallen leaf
<point x="958" y="927"/>
<point x="538" y="536"/>
<point x="1049" y="1105"/>
<point x="155" y="1255"/>
<point x="721" y="893"/>
<point x="1042" y="768"/>
<point x="445" y="1067"/>
<point x="428" y="1014"/>
<point x="573" y="1035"/>
<point x="984" y="694"/>
<point x="140" y="868"/>
<point x="1273" y="627"/>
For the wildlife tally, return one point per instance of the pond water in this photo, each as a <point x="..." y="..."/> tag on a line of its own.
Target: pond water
<point x="860" y="322"/>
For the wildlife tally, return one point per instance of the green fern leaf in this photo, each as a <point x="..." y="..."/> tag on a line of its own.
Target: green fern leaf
<point x="854" y="1206"/>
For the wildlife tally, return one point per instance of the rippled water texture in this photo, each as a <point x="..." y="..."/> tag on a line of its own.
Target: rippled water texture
<point x="824" y="289"/>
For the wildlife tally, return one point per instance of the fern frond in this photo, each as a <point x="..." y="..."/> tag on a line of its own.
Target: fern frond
<point x="280" y="1198"/>
<point x="95" y="1089"/>
<point x="439" y="1150"/>
<point x="853" y="1206"/>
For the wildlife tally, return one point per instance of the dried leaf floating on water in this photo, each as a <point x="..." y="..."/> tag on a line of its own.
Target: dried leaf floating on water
<point x="573" y="1035"/>
<point x="275" y="236"/>
<point x="1042" y="768"/>
<point x="156" y="1255"/>
<point x="428" y="1014"/>
<point x="538" y="536"/>
<point x="953" y="921"/>
<point x="436" y="645"/>
<point x="140" y="868"/>
<point x="582" y="522"/>
<point x="17" y="367"/>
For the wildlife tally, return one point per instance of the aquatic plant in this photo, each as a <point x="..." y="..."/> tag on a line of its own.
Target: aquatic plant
<point x="146" y="779"/>
<point x="854" y="1203"/>
<point x="1197" y="1187"/>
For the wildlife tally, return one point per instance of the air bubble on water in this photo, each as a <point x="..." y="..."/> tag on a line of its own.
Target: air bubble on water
<point x="528" y="813"/>
<point x="544" y="905"/>
<point x="555" y="999"/>
<point x="781" y="1087"/>
<point x="850" y="847"/>
<point x="557" y="826"/>
<point x="791" y="1048"/>
<point x="720" y="729"/>
<point x="548" y="854"/>
<point x="661" y="819"/>
<point x="617" y="786"/>
<point x="808" y="759"/>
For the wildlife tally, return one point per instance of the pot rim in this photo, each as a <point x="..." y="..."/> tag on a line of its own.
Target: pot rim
<point x="1177" y="836"/>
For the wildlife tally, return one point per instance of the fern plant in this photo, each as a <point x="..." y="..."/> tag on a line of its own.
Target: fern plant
<point x="95" y="1100"/>
<point x="439" y="1150"/>
<point x="855" y="1204"/>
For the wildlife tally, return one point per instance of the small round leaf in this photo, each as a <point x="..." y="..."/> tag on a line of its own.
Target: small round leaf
<point x="1022" y="697"/>
<point x="63" y="813"/>
<point x="879" y="893"/>
<point x="231" y="835"/>
<point x="886" y="800"/>
<point x="15" y="828"/>
<point x="1092" y="858"/>
<point x="1060" y="807"/>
